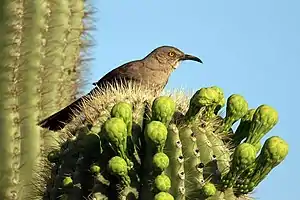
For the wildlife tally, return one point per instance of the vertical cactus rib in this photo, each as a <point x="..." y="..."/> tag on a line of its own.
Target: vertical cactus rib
<point x="191" y="153"/>
<point x="54" y="38"/>
<point x="69" y="72"/>
<point x="10" y="44"/>
<point x="34" y="19"/>
<point x="176" y="172"/>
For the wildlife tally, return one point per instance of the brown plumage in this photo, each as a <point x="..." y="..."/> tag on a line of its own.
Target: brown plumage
<point x="154" y="70"/>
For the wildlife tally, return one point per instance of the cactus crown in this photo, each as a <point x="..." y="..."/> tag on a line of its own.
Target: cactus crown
<point x="133" y="145"/>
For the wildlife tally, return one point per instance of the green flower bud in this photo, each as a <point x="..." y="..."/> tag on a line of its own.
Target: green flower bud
<point x="236" y="108"/>
<point x="118" y="166"/>
<point x="272" y="154"/>
<point x="116" y="130"/>
<point x="163" y="196"/>
<point x="123" y="110"/>
<point x="67" y="182"/>
<point x="264" y="119"/>
<point x="275" y="149"/>
<point x="209" y="189"/>
<point x="162" y="183"/>
<point x="205" y="97"/>
<point x="161" y="161"/>
<point x="242" y="130"/>
<point x="243" y="157"/>
<point x="54" y="156"/>
<point x="163" y="109"/>
<point x="157" y="132"/>
<point x="221" y="99"/>
<point x="95" y="169"/>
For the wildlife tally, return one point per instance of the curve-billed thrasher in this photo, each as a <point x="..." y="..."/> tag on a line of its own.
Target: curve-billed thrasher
<point x="154" y="70"/>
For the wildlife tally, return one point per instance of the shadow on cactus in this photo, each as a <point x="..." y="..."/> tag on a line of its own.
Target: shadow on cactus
<point x="135" y="146"/>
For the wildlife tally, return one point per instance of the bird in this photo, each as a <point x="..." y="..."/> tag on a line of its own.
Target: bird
<point x="154" y="70"/>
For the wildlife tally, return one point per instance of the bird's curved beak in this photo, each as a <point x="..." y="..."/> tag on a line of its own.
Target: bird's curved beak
<point x="190" y="57"/>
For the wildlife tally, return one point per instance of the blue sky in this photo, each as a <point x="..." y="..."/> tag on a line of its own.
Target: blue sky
<point x="248" y="47"/>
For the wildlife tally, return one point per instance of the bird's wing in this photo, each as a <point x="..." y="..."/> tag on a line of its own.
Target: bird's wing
<point x="128" y="71"/>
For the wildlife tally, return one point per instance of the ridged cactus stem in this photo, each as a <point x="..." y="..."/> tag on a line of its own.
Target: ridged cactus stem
<point x="14" y="32"/>
<point x="29" y="99"/>
<point x="73" y="45"/>
<point x="221" y="154"/>
<point x="174" y="152"/>
<point x="56" y="35"/>
<point x="193" y="169"/>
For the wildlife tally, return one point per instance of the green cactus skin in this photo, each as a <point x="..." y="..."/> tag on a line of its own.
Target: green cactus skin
<point x="187" y="156"/>
<point x="41" y="49"/>
<point x="174" y="152"/>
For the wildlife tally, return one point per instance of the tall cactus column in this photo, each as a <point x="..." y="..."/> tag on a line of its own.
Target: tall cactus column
<point x="41" y="48"/>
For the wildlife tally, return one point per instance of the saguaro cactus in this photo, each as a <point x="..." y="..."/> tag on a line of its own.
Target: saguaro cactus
<point x="41" y="51"/>
<point x="132" y="145"/>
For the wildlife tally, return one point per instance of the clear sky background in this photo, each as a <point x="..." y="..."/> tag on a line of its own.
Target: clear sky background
<point x="248" y="47"/>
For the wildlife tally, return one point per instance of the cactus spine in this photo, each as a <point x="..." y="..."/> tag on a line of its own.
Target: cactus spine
<point x="135" y="146"/>
<point x="41" y="48"/>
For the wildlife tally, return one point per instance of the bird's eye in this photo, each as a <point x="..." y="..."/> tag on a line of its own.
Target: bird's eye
<point x="171" y="53"/>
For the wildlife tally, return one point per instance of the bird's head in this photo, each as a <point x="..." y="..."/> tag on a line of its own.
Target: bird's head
<point x="171" y="56"/>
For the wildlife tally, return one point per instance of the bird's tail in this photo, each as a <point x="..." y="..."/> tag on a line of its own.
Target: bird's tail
<point x="58" y="120"/>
